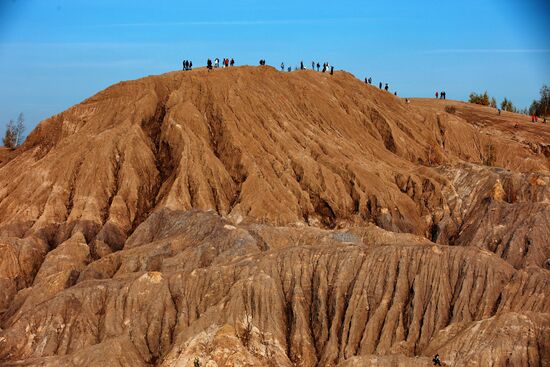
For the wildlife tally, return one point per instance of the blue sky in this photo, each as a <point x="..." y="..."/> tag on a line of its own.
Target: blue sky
<point x="55" y="53"/>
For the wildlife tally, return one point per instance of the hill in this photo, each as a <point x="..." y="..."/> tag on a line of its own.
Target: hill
<point x="250" y="216"/>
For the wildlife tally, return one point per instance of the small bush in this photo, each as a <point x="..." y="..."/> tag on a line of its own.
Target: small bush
<point x="450" y="109"/>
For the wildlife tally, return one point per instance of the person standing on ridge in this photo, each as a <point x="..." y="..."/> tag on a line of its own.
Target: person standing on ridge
<point x="386" y="87"/>
<point x="301" y="65"/>
<point x="313" y="65"/>
<point x="436" y="95"/>
<point x="370" y="80"/>
<point x="282" y="66"/>
<point x="232" y="62"/>
<point x="380" y="85"/>
<point x="209" y="64"/>
<point x="332" y="70"/>
<point x="318" y="66"/>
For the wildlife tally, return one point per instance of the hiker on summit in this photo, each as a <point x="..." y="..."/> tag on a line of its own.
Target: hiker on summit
<point x="216" y="63"/>
<point x="366" y="81"/>
<point x="386" y="87"/>
<point x="209" y="64"/>
<point x="282" y="66"/>
<point x="301" y="65"/>
<point x="436" y="95"/>
<point x="313" y="65"/>
<point x="444" y="95"/>
<point x="318" y="66"/>
<point x="232" y="62"/>
<point x="370" y="80"/>
<point x="380" y="85"/>
<point x="332" y="70"/>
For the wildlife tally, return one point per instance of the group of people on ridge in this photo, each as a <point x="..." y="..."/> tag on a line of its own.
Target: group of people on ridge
<point x="226" y="62"/>
<point x="326" y="67"/>
<point x="442" y="95"/>
<point x="385" y="85"/>
<point x="187" y="64"/>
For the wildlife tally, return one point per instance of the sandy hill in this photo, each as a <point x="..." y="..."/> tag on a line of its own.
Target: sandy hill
<point x="245" y="216"/>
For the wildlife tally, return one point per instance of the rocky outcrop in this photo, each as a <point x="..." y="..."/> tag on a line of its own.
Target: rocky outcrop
<point x="249" y="217"/>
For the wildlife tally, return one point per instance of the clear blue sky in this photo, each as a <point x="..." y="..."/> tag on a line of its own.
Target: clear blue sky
<point x="55" y="53"/>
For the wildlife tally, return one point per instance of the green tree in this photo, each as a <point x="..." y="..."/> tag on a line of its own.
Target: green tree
<point x="493" y="102"/>
<point x="542" y="106"/>
<point x="9" y="140"/>
<point x="482" y="99"/>
<point x="507" y="105"/>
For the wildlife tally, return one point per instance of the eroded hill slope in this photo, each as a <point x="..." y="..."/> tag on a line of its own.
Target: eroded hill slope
<point x="249" y="216"/>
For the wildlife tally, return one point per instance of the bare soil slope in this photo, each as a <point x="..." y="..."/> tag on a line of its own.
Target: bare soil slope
<point x="245" y="216"/>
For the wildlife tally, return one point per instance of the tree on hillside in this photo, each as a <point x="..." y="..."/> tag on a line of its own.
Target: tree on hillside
<point x="493" y="102"/>
<point x="542" y="106"/>
<point x="507" y="105"/>
<point x="482" y="99"/>
<point x="9" y="140"/>
<point x="19" y="129"/>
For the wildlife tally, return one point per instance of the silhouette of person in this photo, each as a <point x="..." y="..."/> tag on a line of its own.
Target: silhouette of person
<point x="380" y="85"/>
<point x="436" y="95"/>
<point x="301" y="65"/>
<point x="232" y="63"/>
<point x="209" y="64"/>
<point x="289" y="69"/>
<point x="332" y="70"/>
<point x="386" y="87"/>
<point x="318" y="66"/>
<point x="282" y="66"/>
<point x="313" y="65"/>
<point x="436" y="360"/>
